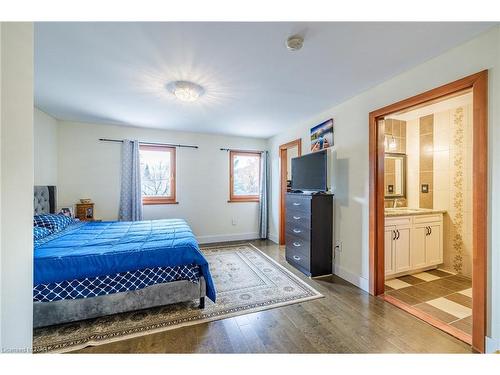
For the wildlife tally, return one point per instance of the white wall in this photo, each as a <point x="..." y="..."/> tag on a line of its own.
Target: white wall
<point x="88" y="168"/>
<point x="45" y="148"/>
<point x="16" y="186"/>
<point x="351" y="144"/>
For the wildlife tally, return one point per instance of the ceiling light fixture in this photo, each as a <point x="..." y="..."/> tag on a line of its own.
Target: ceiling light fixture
<point x="185" y="90"/>
<point x="294" y="43"/>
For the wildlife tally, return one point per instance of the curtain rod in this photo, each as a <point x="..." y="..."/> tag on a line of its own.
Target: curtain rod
<point x="234" y="149"/>
<point x="149" y="143"/>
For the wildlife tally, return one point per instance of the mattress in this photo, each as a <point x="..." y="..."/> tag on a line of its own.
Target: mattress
<point x="97" y="249"/>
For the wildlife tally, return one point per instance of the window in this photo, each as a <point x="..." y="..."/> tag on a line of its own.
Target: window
<point x="157" y="174"/>
<point x="244" y="176"/>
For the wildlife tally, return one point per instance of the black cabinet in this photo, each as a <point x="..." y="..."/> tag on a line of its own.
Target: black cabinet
<point x="309" y="232"/>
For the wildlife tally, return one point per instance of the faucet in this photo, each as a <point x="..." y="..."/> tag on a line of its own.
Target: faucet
<point x="395" y="205"/>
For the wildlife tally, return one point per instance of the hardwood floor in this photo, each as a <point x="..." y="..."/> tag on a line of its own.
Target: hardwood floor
<point x="347" y="320"/>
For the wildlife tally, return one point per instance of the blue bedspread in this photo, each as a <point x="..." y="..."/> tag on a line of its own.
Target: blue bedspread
<point x="104" y="248"/>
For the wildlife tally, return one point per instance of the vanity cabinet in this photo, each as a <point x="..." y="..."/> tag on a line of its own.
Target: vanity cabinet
<point x="397" y="245"/>
<point x="413" y="243"/>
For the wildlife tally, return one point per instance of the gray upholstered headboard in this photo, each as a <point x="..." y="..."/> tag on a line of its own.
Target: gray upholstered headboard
<point x="44" y="200"/>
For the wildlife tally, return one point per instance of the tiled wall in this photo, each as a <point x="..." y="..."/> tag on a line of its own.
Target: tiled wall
<point x="426" y="161"/>
<point x="413" y="162"/>
<point x="453" y="185"/>
<point x="439" y="153"/>
<point x="395" y="133"/>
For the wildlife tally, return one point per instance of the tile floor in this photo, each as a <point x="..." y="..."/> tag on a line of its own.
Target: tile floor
<point x="443" y="295"/>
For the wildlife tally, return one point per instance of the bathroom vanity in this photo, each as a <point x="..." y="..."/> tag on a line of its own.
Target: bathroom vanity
<point x="413" y="240"/>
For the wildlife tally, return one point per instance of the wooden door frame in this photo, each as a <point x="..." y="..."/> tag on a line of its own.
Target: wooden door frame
<point x="478" y="83"/>
<point x="283" y="168"/>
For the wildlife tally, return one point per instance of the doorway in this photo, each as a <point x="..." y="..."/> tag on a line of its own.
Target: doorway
<point x="477" y="85"/>
<point x="287" y="152"/>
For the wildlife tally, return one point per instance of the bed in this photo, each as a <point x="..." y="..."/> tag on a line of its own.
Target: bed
<point x="92" y="269"/>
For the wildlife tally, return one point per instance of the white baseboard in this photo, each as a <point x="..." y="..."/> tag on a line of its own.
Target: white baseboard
<point x="274" y="238"/>
<point x="227" y="237"/>
<point x="357" y="280"/>
<point x="492" y="345"/>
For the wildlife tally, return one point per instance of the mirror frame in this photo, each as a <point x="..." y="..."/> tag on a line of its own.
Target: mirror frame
<point x="402" y="156"/>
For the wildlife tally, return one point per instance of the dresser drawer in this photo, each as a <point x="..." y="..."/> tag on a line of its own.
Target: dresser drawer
<point x="301" y="199"/>
<point x="294" y="219"/>
<point x="299" y="243"/>
<point x="298" y="204"/>
<point x="298" y="256"/>
<point x="297" y="232"/>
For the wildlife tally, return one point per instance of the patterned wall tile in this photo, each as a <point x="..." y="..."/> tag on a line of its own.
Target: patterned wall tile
<point x="457" y="212"/>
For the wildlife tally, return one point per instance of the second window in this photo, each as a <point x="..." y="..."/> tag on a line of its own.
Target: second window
<point x="244" y="176"/>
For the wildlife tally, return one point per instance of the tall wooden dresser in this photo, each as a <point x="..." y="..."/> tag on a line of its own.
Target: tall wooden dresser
<point x="309" y="232"/>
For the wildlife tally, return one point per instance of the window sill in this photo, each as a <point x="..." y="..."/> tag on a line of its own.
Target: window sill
<point x="158" y="202"/>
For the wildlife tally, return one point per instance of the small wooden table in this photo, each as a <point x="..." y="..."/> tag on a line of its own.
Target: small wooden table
<point x="85" y="211"/>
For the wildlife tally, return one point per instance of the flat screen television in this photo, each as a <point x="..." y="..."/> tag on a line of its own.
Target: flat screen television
<point x="309" y="172"/>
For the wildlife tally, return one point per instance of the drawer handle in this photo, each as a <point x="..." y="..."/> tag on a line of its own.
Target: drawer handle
<point x="296" y="217"/>
<point x="296" y="257"/>
<point x="296" y="204"/>
<point x="296" y="244"/>
<point x="296" y="230"/>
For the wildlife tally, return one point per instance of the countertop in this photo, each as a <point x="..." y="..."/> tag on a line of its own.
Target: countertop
<point x="405" y="211"/>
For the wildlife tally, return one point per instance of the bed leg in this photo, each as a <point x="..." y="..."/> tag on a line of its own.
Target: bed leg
<point x="202" y="302"/>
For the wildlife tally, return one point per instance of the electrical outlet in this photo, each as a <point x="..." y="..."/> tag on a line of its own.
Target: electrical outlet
<point x="338" y="246"/>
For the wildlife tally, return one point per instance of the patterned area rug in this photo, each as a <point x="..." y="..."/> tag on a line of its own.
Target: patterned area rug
<point x="246" y="280"/>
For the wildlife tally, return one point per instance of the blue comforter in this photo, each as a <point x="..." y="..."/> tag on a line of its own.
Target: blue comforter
<point x="105" y="248"/>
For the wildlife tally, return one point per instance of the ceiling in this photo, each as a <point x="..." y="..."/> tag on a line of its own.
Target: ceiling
<point x="437" y="106"/>
<point x="115" y="73"/>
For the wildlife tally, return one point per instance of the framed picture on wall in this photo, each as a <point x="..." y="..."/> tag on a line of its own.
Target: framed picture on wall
<point x="322" y="136"/>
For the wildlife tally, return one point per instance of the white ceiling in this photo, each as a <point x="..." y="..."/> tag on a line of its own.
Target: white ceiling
<point x="115" y="73"/>
<point x="435" y="107"/>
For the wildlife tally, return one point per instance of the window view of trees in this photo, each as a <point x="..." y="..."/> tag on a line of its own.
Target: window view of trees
<point x="155" y="173"/>
<point x="246" y="174"/>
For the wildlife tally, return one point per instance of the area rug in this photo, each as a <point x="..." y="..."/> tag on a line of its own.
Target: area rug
<point x="246" y="279"/>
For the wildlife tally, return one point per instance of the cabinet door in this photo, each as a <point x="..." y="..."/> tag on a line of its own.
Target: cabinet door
<point x="418" y="240"/>
<point x="388" y="250"/>
<point x="402" y="250"/>
<point x="434" y="245"/>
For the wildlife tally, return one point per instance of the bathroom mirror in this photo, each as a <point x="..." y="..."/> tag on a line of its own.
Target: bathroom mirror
<point x="395" y="175"/>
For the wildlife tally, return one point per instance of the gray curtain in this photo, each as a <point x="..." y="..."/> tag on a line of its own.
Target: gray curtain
<point x="264" y="196"/>
<point x="130" y="195"/>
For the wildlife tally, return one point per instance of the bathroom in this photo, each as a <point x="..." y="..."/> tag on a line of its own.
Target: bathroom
<point x="428" y="212"/>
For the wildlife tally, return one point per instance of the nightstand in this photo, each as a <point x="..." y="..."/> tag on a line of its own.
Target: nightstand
<point x="85" y="211"/>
